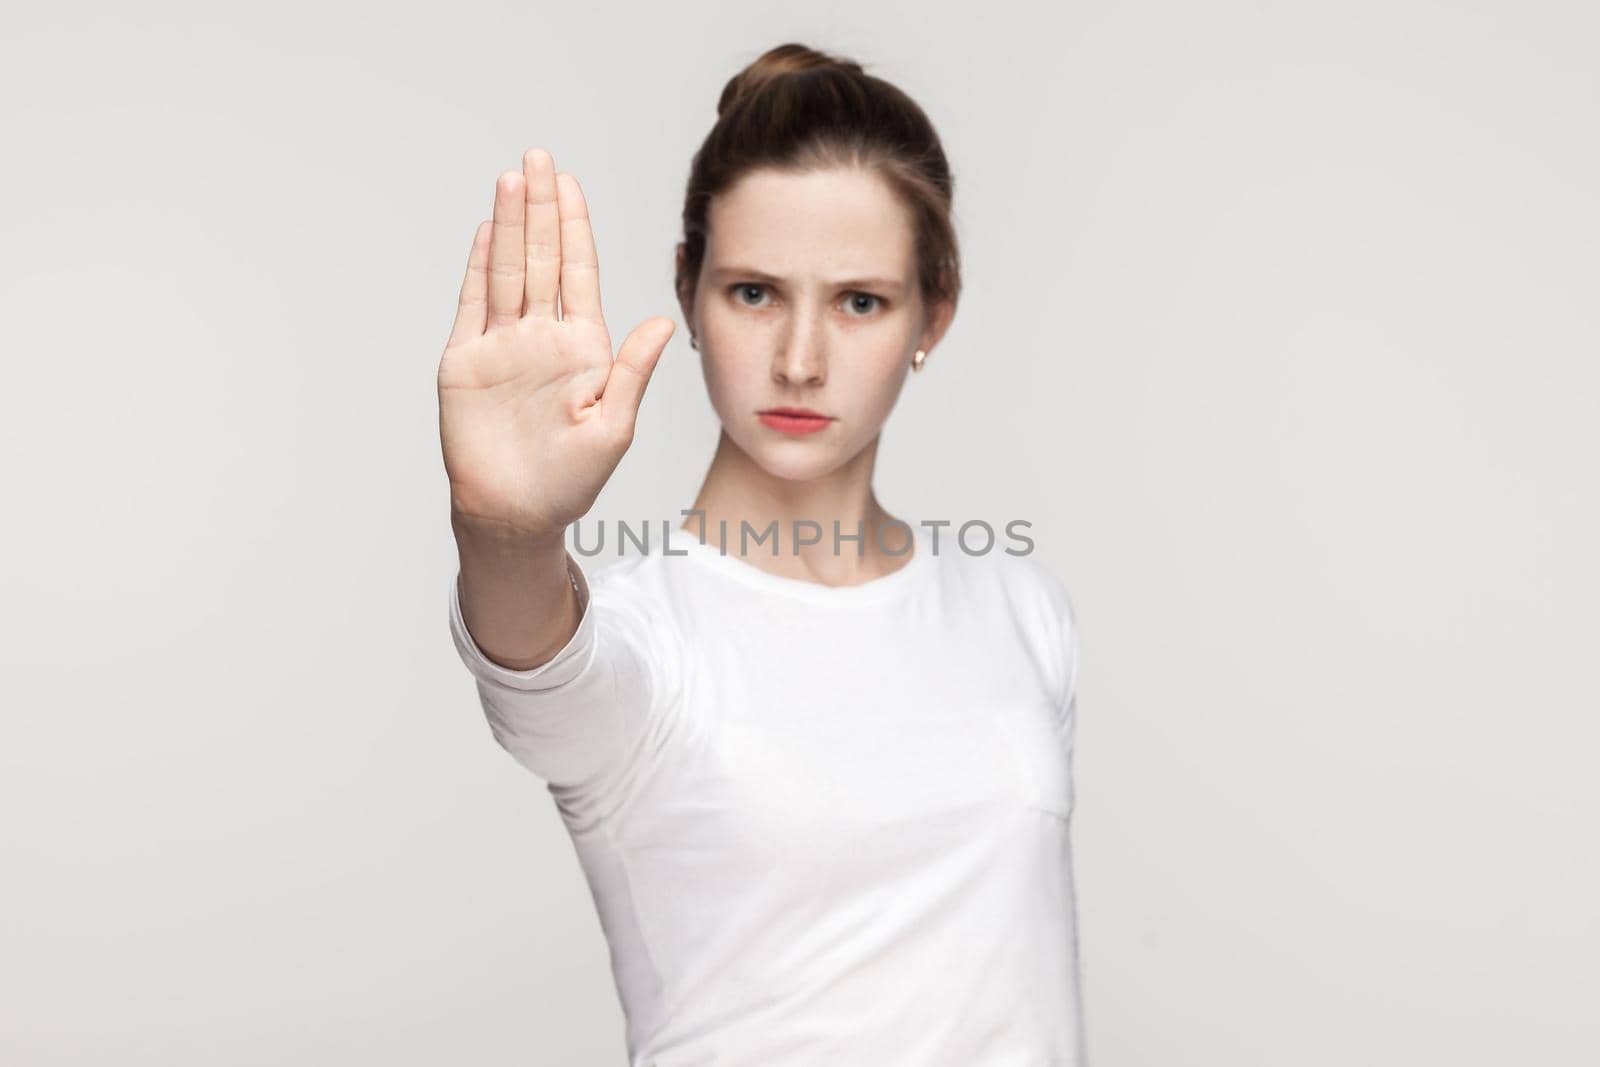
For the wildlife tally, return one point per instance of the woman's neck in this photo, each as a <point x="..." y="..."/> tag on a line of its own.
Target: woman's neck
<point x="736" y="490"/>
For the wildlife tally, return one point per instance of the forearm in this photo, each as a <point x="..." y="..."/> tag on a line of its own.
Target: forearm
<point x="516" y="596"/>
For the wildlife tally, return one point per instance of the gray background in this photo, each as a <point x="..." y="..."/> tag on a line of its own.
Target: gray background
<point x="1280" y="327"/>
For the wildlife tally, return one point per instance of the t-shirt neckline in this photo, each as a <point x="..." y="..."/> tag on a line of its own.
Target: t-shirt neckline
<point x="684" y="546"/>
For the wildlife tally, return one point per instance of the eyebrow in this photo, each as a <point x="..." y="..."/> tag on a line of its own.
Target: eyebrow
<point x="846" y="283"/>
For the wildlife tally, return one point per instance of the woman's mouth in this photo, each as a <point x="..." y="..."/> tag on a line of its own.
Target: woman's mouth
<point x="794" y="420"/>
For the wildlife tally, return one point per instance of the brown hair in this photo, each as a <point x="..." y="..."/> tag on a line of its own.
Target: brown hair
<point x="797" y="109"/>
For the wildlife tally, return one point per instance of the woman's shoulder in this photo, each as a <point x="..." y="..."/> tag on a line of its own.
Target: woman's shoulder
<point x="1030" y="593"/>
<point x="1021" y="577"/>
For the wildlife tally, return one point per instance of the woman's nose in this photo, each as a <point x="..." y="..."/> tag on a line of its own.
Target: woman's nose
<point x="801" y="360"/>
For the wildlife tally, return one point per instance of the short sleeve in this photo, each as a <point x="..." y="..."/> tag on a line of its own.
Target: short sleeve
<point x="585" y="720"/>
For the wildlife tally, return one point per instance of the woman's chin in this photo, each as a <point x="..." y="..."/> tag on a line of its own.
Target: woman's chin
<point x="796" y="461"/>
<point x="790" y="457"/>
<point x="798" y="472"/>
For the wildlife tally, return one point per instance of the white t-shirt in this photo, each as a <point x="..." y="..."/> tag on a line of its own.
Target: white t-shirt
<point x="821" y="825"/>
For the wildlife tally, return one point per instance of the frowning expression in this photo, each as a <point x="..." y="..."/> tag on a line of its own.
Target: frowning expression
<point x="807" y="300"/>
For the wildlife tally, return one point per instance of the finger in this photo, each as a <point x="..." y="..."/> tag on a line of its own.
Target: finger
<point x="473" y="306"/>
<point x="505" y="251"/>
<point x="580" y="265"/>
<point x="630" y="373"/>
<point x="541" y="234"/>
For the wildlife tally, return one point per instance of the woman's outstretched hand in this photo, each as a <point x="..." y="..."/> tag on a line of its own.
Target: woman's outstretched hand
<point x="534" y="415"/>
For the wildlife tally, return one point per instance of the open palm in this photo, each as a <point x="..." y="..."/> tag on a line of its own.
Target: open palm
<point x="534" y="414"/>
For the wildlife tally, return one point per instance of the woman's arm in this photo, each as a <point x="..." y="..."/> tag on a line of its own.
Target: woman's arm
<point x="534" y="416"/>
<point x="519" y="599"/>
<point x="586" y="717"/>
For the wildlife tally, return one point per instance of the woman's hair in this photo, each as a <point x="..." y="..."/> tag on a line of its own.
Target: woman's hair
<point x="797" y="109"/>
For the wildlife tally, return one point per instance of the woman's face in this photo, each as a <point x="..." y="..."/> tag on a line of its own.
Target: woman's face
<point x="808" y="298"/>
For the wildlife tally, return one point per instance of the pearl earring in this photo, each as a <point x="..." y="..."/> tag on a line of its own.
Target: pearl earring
<point x="918" y="359"/>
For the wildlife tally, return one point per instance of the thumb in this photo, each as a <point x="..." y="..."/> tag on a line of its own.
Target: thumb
<point x="630" y="372"/>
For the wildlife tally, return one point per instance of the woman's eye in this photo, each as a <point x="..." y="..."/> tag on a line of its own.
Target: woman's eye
<point x="857" y="298"/>
<point x="750" y="293"/>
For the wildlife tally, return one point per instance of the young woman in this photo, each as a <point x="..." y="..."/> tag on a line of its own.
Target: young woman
<point x="821" y="790"/>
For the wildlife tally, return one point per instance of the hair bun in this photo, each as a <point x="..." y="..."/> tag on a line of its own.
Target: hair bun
<point x="774" y="63"/>
<point x="798" y="110"/>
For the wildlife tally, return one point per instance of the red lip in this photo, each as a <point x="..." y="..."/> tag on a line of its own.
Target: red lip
<point x="799" y="413"/>
<point x="794" y="421"/>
